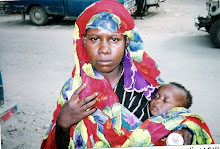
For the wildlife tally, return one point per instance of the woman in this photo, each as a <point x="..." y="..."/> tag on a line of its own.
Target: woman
<point x="112" y="82"/>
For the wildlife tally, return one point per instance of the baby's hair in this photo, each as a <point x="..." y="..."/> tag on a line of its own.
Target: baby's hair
<point x="188" y="94"/>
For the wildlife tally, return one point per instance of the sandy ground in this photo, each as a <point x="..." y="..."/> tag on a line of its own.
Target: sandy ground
<point x="35" y="62"/>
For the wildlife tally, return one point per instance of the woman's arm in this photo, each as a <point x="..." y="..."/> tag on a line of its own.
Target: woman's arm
<point x="62" y="138"/>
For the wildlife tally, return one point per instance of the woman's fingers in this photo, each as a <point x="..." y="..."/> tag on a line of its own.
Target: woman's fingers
<point x="88" y="99"/>
<point x="76" y="109"/>
<point x="82" y="104"/>
<point x="80" y="89"/>
<point x="90" y="111"/>
<point x="75" y="95"/>
<point x="187" y="136"/>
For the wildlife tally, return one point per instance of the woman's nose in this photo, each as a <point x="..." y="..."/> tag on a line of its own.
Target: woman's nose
<point x="104" y="48"/>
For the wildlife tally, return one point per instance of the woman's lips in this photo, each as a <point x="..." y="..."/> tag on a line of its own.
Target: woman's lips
<point x="105" y="62"/>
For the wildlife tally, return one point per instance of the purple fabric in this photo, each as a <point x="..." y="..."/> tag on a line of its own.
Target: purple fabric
<point x="133" y="80"/>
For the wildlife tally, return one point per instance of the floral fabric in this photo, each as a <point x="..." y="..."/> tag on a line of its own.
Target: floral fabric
<point x="112" y="125"/>
<point x="149" y="132"/>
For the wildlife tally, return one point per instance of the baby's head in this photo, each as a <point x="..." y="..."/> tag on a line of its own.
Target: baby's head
<point x="169" y="96"/>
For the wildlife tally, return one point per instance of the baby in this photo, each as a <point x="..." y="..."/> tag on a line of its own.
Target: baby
<point x="167" y="97"/>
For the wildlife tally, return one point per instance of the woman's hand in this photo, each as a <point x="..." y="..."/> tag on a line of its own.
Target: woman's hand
<point x="76" y="109"/>
<point x="186" y="134"/>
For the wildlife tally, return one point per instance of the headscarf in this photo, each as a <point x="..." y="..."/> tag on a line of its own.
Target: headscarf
<point x="112" y="125"/>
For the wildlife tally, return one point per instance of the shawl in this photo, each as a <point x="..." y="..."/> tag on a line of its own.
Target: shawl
<point x="112" y="125"/>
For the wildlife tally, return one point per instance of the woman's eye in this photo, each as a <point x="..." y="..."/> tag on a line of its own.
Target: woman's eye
<point x="94" y="39"/>
<point x="114" y="39"/>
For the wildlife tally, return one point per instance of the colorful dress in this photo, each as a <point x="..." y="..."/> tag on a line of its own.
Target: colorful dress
<point x="113" y="125"/>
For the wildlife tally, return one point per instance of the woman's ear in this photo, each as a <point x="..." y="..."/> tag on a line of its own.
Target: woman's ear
<point x="84" y="40"/>
<point x="126" y="41"/>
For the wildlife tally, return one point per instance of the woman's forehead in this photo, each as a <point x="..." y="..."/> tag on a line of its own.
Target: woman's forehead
<point x="97" y="31"/>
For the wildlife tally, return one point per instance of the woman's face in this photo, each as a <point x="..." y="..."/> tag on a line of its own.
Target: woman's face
<point x="105" y="49"/>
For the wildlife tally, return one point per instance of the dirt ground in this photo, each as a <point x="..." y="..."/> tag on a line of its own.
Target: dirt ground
<point x="35" y="62"/>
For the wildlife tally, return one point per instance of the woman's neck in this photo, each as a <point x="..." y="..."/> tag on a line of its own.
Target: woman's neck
<point x="114" y="76"/>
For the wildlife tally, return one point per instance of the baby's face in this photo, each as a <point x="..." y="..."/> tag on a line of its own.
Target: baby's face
<point x="167" y="97"/>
